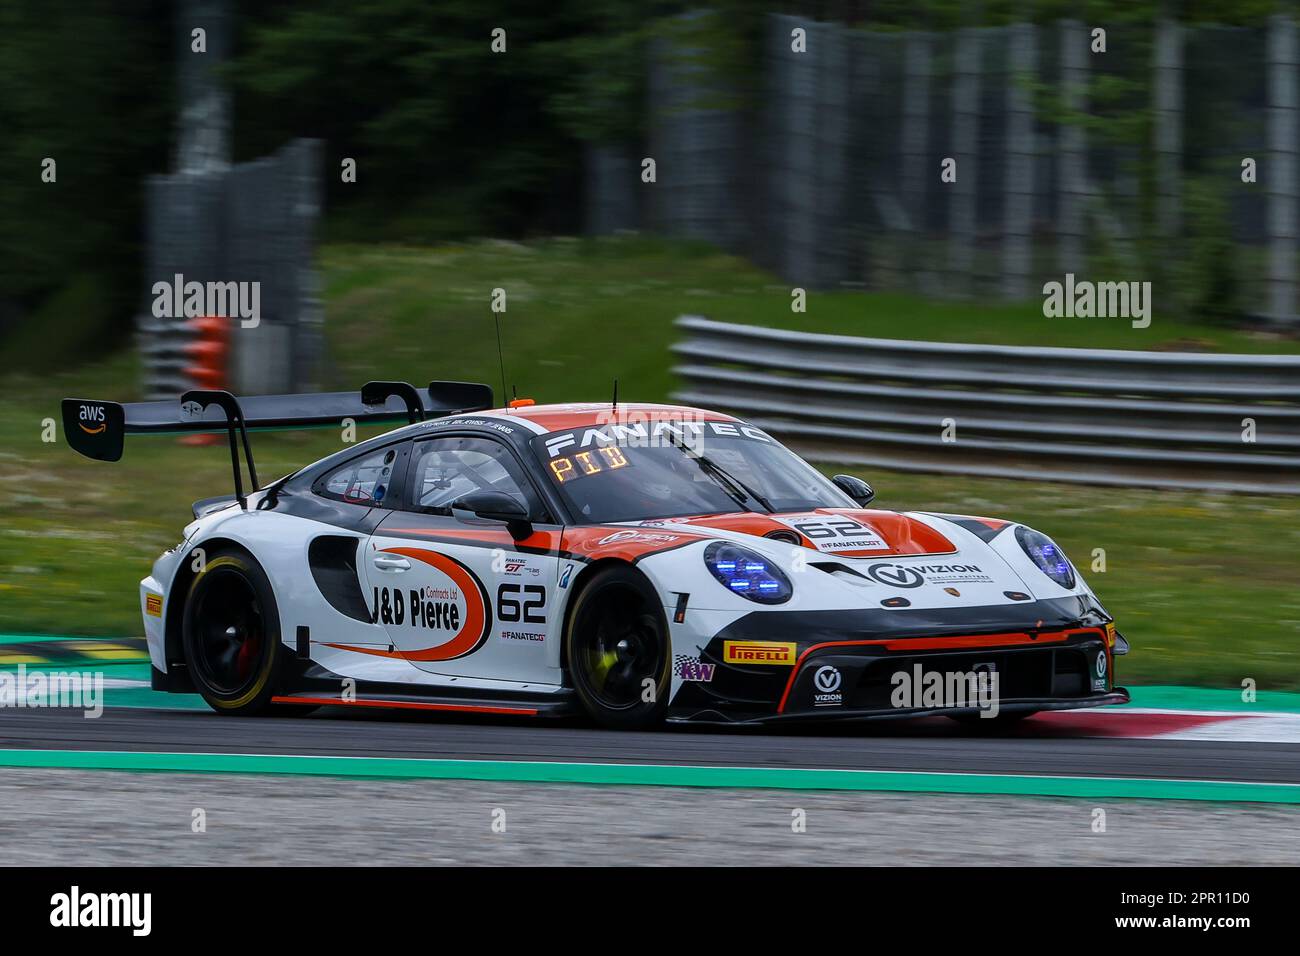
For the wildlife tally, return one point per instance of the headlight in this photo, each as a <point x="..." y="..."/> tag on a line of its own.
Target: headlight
<point x="1050" y="559"/>
<point x="747" y="573"/>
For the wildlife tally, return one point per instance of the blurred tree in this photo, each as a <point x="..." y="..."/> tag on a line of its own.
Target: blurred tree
<point x="85" y="83"/>
<point x="450" y="138"/>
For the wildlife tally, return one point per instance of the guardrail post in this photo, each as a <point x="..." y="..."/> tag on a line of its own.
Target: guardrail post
<point x="1072" y="177"/>
<point x="694" y="132"/>
<point x="918" y="166"/>
<point x="1280" y="174"/>
<point x="611" y="175"/>
<point x="1018" y="188"/>
<point x="794" y="171"/>
<point x="1169" y="127"/>
<point x="830" y="135"/>
<point x="965" y="143"/>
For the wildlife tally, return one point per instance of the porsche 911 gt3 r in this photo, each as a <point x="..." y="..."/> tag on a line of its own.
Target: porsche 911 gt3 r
<point x="635" y="562"/>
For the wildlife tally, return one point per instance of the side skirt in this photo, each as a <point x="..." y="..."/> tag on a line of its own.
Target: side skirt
<point x="394" y="702"/>
<point x="313" y="685"/>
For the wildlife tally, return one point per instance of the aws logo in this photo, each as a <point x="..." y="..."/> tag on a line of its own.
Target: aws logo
<point x="92" y="419"/>
<point x="94" y="428"/>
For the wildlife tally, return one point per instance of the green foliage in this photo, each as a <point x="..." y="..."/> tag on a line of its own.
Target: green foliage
<point x="413" y="91"/>
<point x="1211" y="282"/>
<point x="87" y="86"/>
<point x="451" y="139"/>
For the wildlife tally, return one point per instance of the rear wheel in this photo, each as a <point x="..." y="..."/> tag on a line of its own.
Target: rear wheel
<point x="231" y="635"/>
<point x="618" y="650"/>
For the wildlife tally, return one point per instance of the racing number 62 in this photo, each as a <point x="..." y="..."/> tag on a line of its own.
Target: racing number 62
<point x="813" y="530"/>
<point x="509" y="608"/>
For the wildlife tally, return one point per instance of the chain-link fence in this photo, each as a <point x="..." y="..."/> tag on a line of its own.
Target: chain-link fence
<point x="1123" y="164"/>
<point x="247" y="223"/>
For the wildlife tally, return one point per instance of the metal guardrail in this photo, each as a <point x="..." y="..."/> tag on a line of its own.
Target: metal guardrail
<point x="1160" y="419"/>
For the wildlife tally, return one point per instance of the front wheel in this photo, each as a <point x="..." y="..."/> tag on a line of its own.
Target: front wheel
<point x="231" y="635"/>
<point x="618" y="650"/>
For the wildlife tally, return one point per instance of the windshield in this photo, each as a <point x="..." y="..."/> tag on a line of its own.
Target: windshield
<point x="674" y="469"/>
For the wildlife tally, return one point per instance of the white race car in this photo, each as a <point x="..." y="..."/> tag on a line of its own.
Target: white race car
<point x="634" y="562"/>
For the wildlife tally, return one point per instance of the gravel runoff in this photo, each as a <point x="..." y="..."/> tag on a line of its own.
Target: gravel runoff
<point x="77" y="817"/>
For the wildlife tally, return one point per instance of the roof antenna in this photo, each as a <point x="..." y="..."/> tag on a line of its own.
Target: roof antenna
<point x="496" y="320"/>
<point x="615" y="405"/>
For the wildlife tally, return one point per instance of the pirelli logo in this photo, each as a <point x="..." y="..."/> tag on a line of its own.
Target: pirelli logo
<point x="153" y="605"/>
<point x="758" y="652"/>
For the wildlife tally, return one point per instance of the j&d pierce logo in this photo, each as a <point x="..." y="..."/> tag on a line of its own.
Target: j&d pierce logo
<point x="451" y="609"/>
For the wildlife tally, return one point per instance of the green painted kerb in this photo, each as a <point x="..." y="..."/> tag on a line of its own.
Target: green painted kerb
<point x="657" y="775"/>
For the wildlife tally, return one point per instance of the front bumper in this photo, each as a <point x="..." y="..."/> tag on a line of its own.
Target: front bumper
<point x="833" y="666"/>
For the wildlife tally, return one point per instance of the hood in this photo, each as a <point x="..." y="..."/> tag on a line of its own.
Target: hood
<point x="846" y="532"/>
<point x="869" y="558"/>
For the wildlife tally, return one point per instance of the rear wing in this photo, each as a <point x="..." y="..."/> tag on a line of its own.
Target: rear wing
<point x="98" y="429"/>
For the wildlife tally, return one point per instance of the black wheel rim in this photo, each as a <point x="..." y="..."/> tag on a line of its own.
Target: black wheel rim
<point x="618" y="648"/>
<point x="229" y="632"/>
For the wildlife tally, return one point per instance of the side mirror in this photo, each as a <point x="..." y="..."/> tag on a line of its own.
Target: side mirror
<point x="855" y="488"/>
<point x="494" y="506"/>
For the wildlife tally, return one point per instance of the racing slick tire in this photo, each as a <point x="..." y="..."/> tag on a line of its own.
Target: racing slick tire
<point x="618" y="650"/>
<point x="231" y="635"/>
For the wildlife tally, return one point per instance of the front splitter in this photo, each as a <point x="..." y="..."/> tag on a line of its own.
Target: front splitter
<point x="1118" y="695"/>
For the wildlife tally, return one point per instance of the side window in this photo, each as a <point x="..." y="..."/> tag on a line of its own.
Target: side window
<point x="362" y="481"/>
<point x="446" y="469"/>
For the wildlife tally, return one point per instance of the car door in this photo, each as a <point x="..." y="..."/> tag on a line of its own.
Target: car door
<point x="347" y="503"/>
<point x="463" y="597"/>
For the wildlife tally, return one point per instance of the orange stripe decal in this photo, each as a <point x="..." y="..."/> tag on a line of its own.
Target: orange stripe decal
<point x="406" y="705"/>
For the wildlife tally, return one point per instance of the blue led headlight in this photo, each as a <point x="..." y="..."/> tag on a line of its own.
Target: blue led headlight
<point x="1051" y="560"/>
<point x="747" y="573"/>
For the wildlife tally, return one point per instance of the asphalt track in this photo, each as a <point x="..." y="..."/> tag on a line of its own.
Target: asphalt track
<point x="934" y="745"/>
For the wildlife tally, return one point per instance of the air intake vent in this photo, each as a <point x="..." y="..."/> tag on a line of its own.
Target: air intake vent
<point x="841" y="571"/>
<point x="789" y="537"/>
<point x="333" y="561"/>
